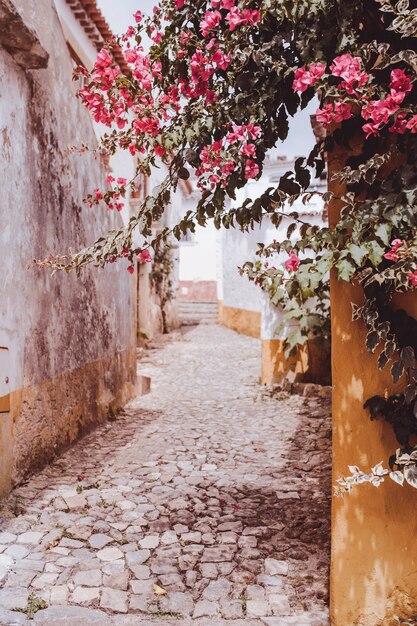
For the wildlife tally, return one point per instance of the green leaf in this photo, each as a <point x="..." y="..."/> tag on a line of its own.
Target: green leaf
<point x="357" y="253"/>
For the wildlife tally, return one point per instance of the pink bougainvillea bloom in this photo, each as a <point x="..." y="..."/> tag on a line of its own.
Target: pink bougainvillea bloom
<point x="145" y="256"/>
<point x="251" y="169"/>
<point x="301" y="80"/>
<point x="316" y="71"/>
<point x="110" y="179"/>
<point x="121" y="182"/>
<point x="400" y="81"/>
<point x="248" y="149"/>
<point x="138" y="16"/>
<point x="159" y="150"/>
<point x="179" y="4"/>
<point x="292" y="264"/>
<point x="131" y="269"/>
<point x="342" y="111"/>
<point x="391" y="256"/>
<point x="211" y="20"/>
<point x="371" y="129"/>
<point x="253" y="131"/>
<point x="221" y="60"/>
<point x="399" y="125"/>
<point x="412" y="277"/>
<point x="412" y="124"/>
<point x="348" y="68"/>
<point x="324" y="116"/>
<point x="234" y="18"/>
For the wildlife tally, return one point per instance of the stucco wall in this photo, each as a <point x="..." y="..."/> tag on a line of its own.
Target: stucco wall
<point x="374" y="550"/>
<point x="71" y="342"/>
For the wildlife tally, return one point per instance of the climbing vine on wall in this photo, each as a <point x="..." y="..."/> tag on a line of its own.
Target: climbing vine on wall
<point x="309" y="309"/>
<point x="161" y="278"/>
<point x="215" y="93"/>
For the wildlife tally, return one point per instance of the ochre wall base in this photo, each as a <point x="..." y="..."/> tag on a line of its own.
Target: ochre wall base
<point x="310" y="365"/>
<point x="241" y="320"/>
<point x="47" y="417"/>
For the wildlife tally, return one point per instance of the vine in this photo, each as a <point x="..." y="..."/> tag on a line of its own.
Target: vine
<point x="214" y="95"/>
<point x="161" y="278"/>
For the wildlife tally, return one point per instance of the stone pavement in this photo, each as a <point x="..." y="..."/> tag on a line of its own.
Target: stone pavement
<point x="205" y="503"/>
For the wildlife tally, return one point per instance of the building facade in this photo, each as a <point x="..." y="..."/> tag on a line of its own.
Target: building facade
<point x="67" y="344"/>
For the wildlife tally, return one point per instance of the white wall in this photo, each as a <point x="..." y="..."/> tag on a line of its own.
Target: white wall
<point x="198" y="259"/>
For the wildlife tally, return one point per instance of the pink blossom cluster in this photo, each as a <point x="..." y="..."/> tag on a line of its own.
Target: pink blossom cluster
<point x="334" y="112"/>
<point x="303" y="79"/>
<point x="141" y="106"/>
<point x="144" y="256"/>
<point x="221" y="158"/>
<point x="397" y="251"/>
<point x="348" y="68"/>
<point x="379" y="112"/>
<point x="234" y="18"/>
<point x="356" y="92"/>
<point x="394" y="253"/>
<point x="292" y="264"/>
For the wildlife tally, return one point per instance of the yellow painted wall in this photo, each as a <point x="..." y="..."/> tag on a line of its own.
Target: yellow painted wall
<point x="241" y="320"/>
<point x="374" y="531"/>
<point x="310" y="365"/>
<point x="70" y="405"/>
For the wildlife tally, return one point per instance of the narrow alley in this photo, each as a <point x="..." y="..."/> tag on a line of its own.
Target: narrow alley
<point x="206" y="502"/>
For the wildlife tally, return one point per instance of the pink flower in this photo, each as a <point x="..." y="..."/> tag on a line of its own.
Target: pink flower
<point x="223" y="4"/>
<point x="110" y="179"/>
<point x="301" y="80"/>
<point x="342" y="111"/>
<point x="400" y="81"/>
<point x="251" y="169"/>
<point x="221" y="60"/>
<point x="138" y="17"/>
<point x="121" y="182"/>
<point x="325" y="116"/>
<point x="211" y="20"/>
<point x="412" y="124"/>
<point x="131" y="269"/>
<point x="412" y="277"/>
<point x="391" y="256"/>
<point x="371" y="129"/>
<point x="292" y="264"/>
<point x="179" y="4"/>
<point x="399" y="125"/>
<point x="304" y="79"/>
<point x="236" y="17"/>
<point x="349" y="69"/>
<point x="159" y="150"/>
<point x="253" y="131"/>
<point x="316" y="71"/>
<point x="145" y="256"/>
<point x="248" y="149"/>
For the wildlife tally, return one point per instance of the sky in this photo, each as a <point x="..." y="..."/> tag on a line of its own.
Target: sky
<point x="300" y="139"/>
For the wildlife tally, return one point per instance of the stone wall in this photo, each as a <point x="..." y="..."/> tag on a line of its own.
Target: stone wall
<point x="70" y="342"/>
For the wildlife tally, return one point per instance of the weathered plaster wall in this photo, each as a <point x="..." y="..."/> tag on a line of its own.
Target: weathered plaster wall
<point x="71" y="341"/>
<point x="245" y="308"/>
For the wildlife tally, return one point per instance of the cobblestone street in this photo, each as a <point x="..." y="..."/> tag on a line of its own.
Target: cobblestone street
<point x="205" y="502"/>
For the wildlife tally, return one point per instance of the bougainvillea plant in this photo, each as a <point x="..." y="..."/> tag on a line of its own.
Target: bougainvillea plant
<point x="214" y="94"/>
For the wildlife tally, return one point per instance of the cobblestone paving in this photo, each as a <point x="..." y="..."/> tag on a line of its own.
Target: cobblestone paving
<point x="205" y="503"/>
